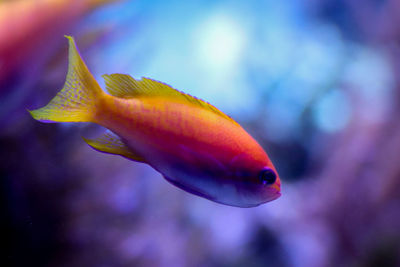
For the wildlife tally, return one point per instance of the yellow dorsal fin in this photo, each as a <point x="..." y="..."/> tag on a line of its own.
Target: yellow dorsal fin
<point x="110" y="143"/>
<point x="124" y="86"/>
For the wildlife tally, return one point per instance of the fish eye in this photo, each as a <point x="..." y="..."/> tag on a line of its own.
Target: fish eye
<point x="267" y="176"/>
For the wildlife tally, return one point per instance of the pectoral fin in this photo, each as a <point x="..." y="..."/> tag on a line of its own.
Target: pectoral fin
<point x="111" y="143"/>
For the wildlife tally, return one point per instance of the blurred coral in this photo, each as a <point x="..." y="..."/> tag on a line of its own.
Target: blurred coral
<point x="26" y="27"/>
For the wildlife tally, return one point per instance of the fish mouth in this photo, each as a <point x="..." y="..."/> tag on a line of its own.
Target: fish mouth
<point x="274" y="193"/>
<point x="277" y="188"/>
<point x="277" y="195"/>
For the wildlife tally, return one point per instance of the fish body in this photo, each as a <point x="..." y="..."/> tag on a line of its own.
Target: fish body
<point x="190" y="142"/>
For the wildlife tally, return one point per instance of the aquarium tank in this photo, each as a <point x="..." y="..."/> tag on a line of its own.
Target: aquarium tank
<point x="316" y="83"/>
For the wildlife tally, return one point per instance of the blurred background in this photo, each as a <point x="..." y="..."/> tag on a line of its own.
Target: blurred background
<point x="315" y="82"/>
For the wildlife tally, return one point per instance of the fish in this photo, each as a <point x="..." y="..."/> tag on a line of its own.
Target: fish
<point x="191" y="143"/>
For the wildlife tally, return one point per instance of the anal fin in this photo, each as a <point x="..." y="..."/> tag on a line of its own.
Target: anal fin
<point x="110" y="143"/>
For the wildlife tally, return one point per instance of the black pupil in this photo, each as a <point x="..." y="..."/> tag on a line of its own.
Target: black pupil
<point x="267" y="176"/>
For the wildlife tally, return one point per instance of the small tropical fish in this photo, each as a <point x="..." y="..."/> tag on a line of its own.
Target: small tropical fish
<point x="191" y="143"/>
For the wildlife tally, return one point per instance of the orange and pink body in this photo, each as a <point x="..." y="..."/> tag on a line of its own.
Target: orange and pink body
<point x="190" y="142"/>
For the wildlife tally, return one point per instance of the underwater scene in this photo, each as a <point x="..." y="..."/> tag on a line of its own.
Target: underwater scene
<point x="200" y="133"/>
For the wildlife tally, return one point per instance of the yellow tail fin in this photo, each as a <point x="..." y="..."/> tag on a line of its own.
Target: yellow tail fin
<point x="77" y="100"/>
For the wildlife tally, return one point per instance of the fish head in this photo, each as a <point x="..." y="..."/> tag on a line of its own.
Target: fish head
<point x="254" y="188"/>
<point x="244" y="180"/>
<point x="255" y="182"/>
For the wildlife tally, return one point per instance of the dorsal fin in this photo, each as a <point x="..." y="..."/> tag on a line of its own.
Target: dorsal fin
<point x="124" y="86"/>
<point x="111" y="143"/>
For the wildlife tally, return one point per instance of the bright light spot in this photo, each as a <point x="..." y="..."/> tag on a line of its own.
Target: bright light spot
<point x="218" y="45"/>
<point x="332" y="112"/>
<point x="219" y="41"/>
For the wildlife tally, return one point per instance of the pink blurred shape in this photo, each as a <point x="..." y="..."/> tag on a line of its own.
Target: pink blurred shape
<point x="26" y="28"/>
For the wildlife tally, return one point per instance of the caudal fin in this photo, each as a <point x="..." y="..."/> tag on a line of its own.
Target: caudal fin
<point x="77" y="100"/>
